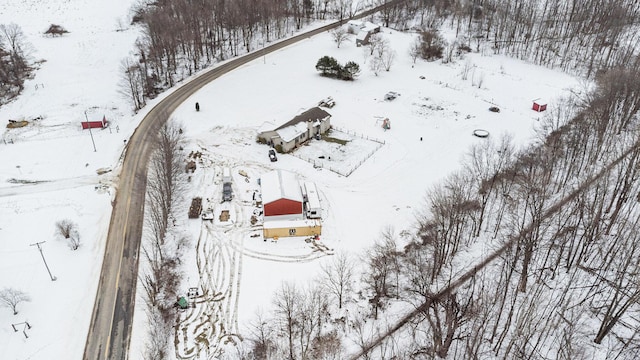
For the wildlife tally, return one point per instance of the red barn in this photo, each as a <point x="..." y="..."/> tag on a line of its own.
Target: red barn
<point x="539" y="105"/>
<point x="281" y="196"/>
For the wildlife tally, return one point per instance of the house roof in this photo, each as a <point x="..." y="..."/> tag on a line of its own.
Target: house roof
<point x="541" y="101"/>
<point x="362" y="35"/>
<point x="279" y="184"/>
<point x="291" y="132"/>
<point x="369" y="26"/>
<point x="315" y="113"/>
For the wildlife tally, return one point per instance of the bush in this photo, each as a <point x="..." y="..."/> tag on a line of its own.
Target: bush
<point x="56" y="30"/>
<point x="350" y="71"/>
<point x="329" y="66"/>
<point x="431" y="45"/>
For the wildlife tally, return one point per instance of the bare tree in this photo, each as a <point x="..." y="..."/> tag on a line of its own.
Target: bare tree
<point x="133" y="83"/>
<point x="166" y="179"/>
<point x="387" y="58"/>
<point x="415" y="50"/>
<point x="339" y="35"/>
<point x="68" y="230"/>
<point x="338" y="277"/>
<point x="381" y="276"/>
<point x="14" y="66"/>
<point x="376" y="41"/>
<point x="65" y="228"/>
<point x="313" y="313"/>
<point x="261" y="331"/>
<point x="287" y="303"/>
<point x="157" y="346"/>
<point x="10" y="297"/>
<point x="327" y="347"/>
<point x="468" y="65"/>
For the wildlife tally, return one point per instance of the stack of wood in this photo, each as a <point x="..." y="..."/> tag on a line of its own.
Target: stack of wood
<point x="195" y="208"/>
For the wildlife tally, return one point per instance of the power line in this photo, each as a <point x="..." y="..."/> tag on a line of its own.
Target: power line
<point x="470" y="273"/>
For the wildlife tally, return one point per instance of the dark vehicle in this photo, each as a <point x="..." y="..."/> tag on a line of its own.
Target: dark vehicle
<point x="272" y="155"/>
<point x="226" y="192"/>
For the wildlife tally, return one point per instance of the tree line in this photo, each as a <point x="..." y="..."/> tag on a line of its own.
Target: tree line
<point x="184" y="36"/>
<point x="565" y="279"/>
<point x="162" y="247"/>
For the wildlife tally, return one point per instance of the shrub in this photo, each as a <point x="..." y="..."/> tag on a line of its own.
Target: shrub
<point x="350" y="71"/>
<point x="328" y="66"/>
<point x="431" y="45"/>
<point x="56" y="30"/>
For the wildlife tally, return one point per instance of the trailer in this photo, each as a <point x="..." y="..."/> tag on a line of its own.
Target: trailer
<point x="311" y="201"/>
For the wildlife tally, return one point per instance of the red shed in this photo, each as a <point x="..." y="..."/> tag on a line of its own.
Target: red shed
<point x="95" y="124"/>
<point x="539" y="105"/>
<point x="281" y="195"/>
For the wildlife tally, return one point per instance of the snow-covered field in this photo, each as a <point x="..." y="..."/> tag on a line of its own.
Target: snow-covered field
<point x="48" y="169"/>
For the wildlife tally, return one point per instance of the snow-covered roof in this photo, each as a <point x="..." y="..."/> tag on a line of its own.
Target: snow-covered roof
<point x="280" y="184"/>
<point x="291" y="132"/>
<point x="369" y="26"/>
<point x="298" y="125"/>
<point x="362" y="34"/>
<point x="315" y="113"/>
<point x="540" y="101"/>
<point x="266" y="126"/>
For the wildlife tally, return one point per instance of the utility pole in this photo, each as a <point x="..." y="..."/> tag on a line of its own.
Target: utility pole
<point x="53" y="278"/>
<point x="90" y="133"/>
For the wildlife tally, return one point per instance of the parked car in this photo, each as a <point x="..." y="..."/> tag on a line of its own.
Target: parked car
<point x="272" y="155"/>
<point x="226" y="192"/>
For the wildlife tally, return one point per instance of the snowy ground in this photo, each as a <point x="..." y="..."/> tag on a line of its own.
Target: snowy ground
<point x="431" y="130"/>
<point x="48" y="169"/>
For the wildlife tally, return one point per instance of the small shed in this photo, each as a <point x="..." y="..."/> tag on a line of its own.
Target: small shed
<point x="95" y="124"/>
<point x="539" y="105"/>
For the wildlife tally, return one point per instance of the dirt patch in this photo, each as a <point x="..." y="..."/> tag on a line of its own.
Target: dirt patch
<point x="14" y="124"/>
<point x="224" y="215"/>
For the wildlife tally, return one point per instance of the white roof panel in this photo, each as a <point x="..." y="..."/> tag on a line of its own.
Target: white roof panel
<point x="279" y="184"/>
<point x="291" y="132"/>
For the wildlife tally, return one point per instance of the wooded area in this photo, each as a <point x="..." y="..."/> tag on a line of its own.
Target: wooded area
<point x="560" y="217"/>
<point x="184" y="36"/>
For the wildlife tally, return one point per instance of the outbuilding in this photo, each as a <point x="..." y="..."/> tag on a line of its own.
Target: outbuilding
<point x="539" y="105"/>
<point x="281" y="196"/>
<point x="95" y="124"/>
<point x="291" y="228"/>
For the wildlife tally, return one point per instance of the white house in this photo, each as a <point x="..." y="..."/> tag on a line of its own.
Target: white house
<point x="363" y="30"/>
<point x="296" y="131"/>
